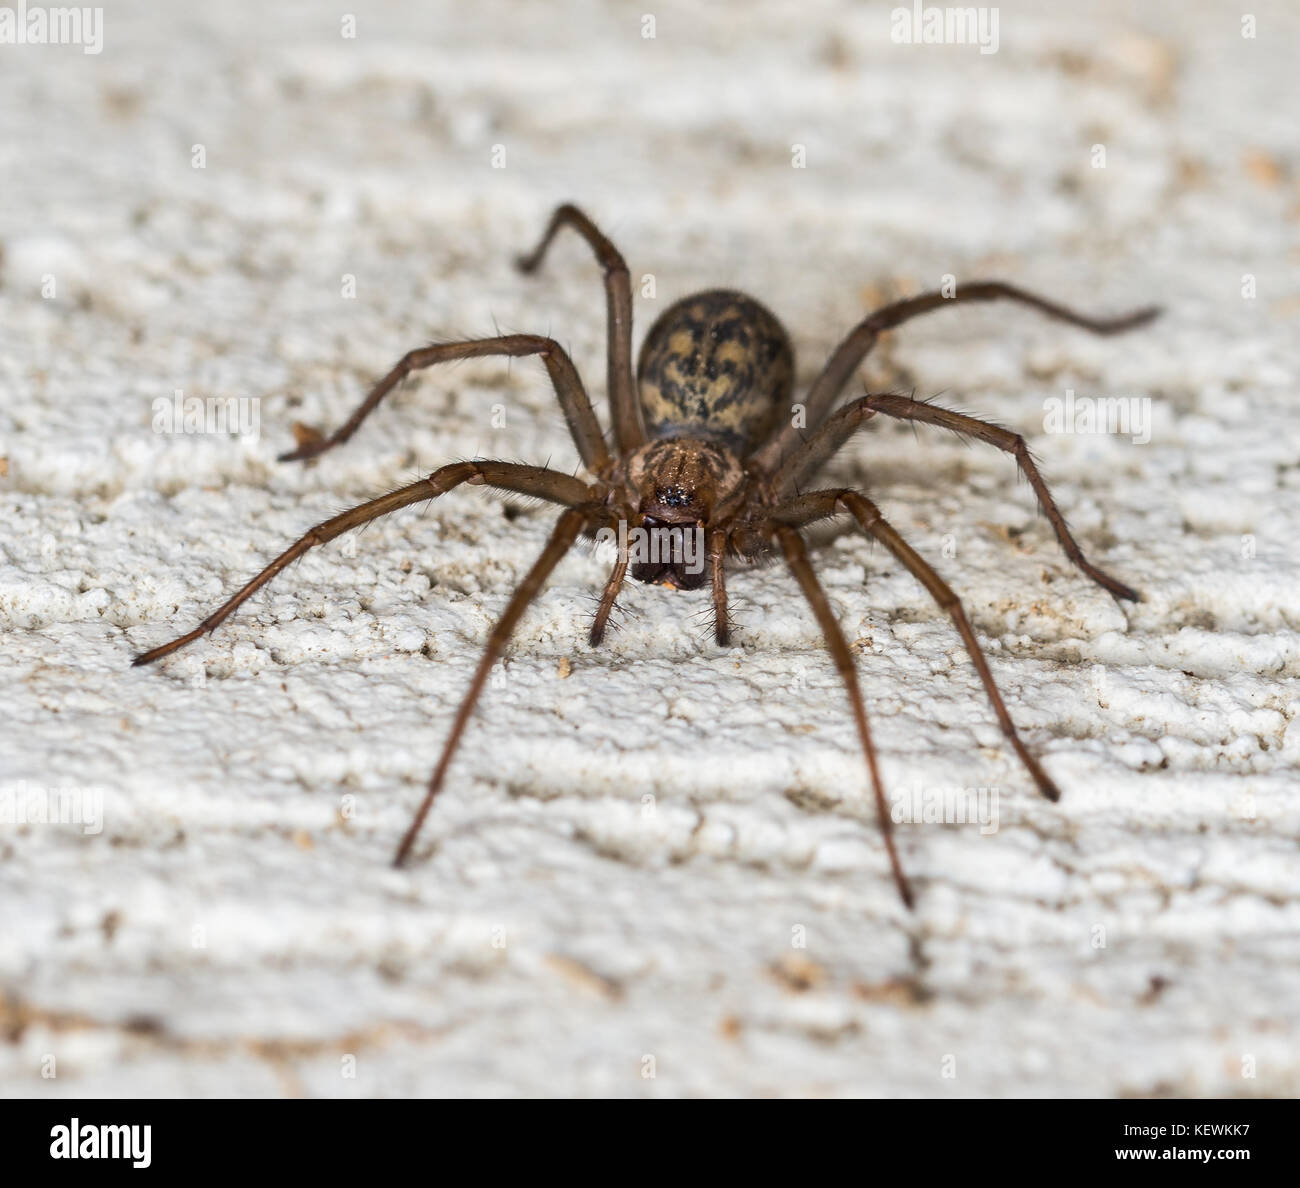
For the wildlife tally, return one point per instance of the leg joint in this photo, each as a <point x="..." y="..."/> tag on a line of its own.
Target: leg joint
<point x="866" y="512"/>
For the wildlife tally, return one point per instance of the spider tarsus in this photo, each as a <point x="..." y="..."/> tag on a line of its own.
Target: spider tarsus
<point x="1112" y="586"/>
<point x="1132" y="321"/>
<point x="164" y="649"/>
<point x="408" y="843"/>
<point x="1046" y="785"/>
<point x="901" y="883"/>
<point x="301" y="454"/>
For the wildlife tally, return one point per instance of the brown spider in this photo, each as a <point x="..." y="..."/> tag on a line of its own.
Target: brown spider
<point x="706" y="449"/>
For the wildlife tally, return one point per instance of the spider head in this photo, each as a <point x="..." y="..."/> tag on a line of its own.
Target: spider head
<point x="677" y="482"/>
<point x="668" y="548"/>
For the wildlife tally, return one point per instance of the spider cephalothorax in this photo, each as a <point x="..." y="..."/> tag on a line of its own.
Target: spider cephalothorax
<point x="709" y="464"/>
<point x="674" y="486"/>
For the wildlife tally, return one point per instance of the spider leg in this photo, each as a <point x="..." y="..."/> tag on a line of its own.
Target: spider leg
<point x="819" y="504"/>
<point x="564" y="534"/>
<point x="796" y="557"/>
<point x="607" y="599"/>
<point x="820" y="446"/>
<point x="625" y="409"/>
<point x="855" y="347"/>
<point x="718" y="585"/>
<point x="578" y="413"/>
<point x="509" y="476"/>
<point x="836" y="429"/>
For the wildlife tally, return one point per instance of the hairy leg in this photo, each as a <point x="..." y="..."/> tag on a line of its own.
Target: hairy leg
<point x="509" y="476"/>
<point x="625" y="409"/>
<point x="850" y="353"/>
<point x="578" y="413"/>
<point x="718" y="585"/>
<point x="820" y="504"/>
<point x="803" y="464"/>
<point x="565" y="533"/>
<point x="607" y="599"/>
<point x="796" y="557"/>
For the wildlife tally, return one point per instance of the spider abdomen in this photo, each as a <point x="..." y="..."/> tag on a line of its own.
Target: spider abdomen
<point x="716" y="364"/>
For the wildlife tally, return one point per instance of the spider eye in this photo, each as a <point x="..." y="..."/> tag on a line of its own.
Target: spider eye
<point x="674" y="496"/>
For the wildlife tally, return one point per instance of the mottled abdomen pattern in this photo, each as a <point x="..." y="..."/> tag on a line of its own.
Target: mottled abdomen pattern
<point x="716" y="364"/>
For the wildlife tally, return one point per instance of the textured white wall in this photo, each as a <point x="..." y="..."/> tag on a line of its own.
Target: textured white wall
<point x="227" y="932"/>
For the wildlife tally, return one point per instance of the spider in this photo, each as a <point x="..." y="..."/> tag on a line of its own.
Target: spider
<point x="707" y="449"/>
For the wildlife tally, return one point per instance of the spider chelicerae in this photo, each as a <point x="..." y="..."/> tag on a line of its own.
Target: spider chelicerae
<point x="710" y="464"/>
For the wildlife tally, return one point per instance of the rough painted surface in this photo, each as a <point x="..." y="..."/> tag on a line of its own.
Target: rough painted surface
<point x="633" y="838"/>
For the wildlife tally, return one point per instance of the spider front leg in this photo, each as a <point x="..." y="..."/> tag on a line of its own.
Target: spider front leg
<point x="857" y="345"/>
<point x="607" y="600"/>
<point x="796" y="557"/>
<point x="537" y="481"/>
<point x="578" y="413"/>
<point x="817" y="505"/>
<point x="625" y="409"/>
<point x="840" y="426"/>
<point x="718" y="585"/>
<point x="566" y="531"/>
